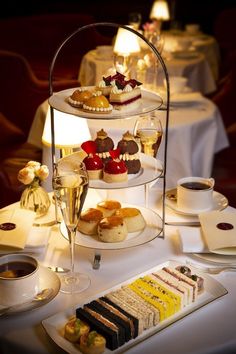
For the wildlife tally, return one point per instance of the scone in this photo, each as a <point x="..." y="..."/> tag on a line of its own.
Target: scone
<point x="112" y="229"/>
<point x="133" y="218"/>
<point x="108" y="207"/>
<point x="89" y="220"/>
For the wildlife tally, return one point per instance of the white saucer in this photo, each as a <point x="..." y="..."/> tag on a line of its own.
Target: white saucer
<point x="217" y="259"/>
<point x="220" y="202"/>
<point x="47" y="279"/>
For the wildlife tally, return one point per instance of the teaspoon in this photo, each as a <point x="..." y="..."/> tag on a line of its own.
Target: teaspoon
<point x="42" y="296"/>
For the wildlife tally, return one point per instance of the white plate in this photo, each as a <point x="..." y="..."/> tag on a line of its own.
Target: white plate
<point x="217" y="259"/>
<point x="150" y="102"/>
<point x="220" y="202"/>
<point x="187" y="97"/>
<point x="212" y="290"/>
<point x="151" y="169"/>
<point x="152" y="230"/>
<point x="47" y="279"/>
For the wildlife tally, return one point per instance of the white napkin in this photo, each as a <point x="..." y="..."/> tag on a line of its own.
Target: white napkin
<point x="191" y="240"/>
<point x="15" y="238"/>
<point x="36" y="242"/>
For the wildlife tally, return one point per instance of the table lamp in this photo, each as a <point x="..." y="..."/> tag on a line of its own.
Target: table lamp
<point x="70" y="132"/>
<point x="159" y="12"/>
<point x="126" y="45"/>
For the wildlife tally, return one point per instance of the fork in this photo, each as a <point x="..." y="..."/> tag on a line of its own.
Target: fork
<point x="212" y="270"/>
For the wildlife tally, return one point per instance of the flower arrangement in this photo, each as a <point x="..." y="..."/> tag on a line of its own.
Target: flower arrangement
<point x="33" y="172"/>
<point x="34" y="197"/>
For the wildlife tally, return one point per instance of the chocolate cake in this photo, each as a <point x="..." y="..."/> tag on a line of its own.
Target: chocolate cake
<point x="129" y="153"/>
<point x="103" y="145"/>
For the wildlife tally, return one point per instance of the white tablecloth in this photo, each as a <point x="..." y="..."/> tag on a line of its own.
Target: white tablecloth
<point x="210" y="329"/>
<point x="203" y="43"/>
<point x="196" y="133"/>
<point x="196" y="69"/>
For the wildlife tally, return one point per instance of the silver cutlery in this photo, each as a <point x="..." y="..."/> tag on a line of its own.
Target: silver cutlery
<point x="183" y="223"/>
<point x="212" y="270"/>
<point x="45" y="294"/>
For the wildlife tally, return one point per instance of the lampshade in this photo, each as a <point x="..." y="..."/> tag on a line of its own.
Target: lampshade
<point x="126" y="42"/>
<point x="70" y="131"/>
<point x="160" y="11"/>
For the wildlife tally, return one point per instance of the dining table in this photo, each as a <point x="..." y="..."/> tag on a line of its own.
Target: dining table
<point x="196" y="133"/>
<point x="191" y="64"/>
<point x="209" y="329"/>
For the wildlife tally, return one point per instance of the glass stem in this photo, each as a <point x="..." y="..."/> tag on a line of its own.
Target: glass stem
<point x="72" y="234"/>
<point x="146" y="194"/>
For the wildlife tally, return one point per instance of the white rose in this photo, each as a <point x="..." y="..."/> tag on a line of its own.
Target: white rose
<point x="42" y="173"/>
<point x="34" y="164"/>
<point x="26" y="175"/>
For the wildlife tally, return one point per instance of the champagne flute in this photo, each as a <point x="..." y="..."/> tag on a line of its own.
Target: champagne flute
<point x="70" y="187"/>
<point x="148" y="134"/>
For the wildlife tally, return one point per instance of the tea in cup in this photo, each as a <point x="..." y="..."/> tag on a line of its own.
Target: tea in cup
<point x="19" y="278"/>
<point x="195" y="193"/>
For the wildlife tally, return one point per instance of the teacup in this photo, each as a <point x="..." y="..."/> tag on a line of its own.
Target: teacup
<point x="177" y="84"/>
<point x="195" y="193"/>
<point x="19" y="278"/>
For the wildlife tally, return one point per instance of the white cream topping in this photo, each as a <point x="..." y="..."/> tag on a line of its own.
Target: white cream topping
<point x="102" y="84"/>
<point x="97" y="93"/>
<point x="104" y="155"/>
<point x="128" y="88"/>
<point x="116" y="90"/>
<point x="98" y="109"/>
<point x="128" y="157"/>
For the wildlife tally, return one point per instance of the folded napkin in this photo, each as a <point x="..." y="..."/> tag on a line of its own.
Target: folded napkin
<point x="219" y="231"/>
<point x="182" y="97"/>
<point x="192" y="240"/>
<point x="15" y="225"/>
<point x="24" y="237"/>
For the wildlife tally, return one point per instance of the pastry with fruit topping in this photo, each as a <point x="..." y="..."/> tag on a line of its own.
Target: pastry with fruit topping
<point x="92" y="343"/>
<point x="106" y="84"/>
<point x="112" y="229"/>
<point x="125" y="94"/>
<point x="74" y="329"/>
<point x="103" y="145"/>
<point x="108" y="207"/>
<point x="98" y="103"/>
<point x="89" y="220"/>
<point x="93" y="163"/>
<point x="79" y="97"/>
<point x="133" y="218"/>
<point x="129" y="153"/>
<point x="115" y="170"/>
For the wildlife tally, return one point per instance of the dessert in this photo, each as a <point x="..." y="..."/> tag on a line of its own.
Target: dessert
<point x="74" y="329"/>
<point x="129" y="153"/>
<point x="133" y="218"/>
<point x="106" y="84"/>
<point x="115" y="170"/>
<point x="98" y="103"/>
<point x="125" y="94"/>
<point x="93" y="163"/>
<point x="89" y="220"/>
<point x="92" y="343"/>
<point x="79" y="97"/>
<point x="112" y="229"/>
<point x="108" y="207"/>
<point x="103" y="145"/>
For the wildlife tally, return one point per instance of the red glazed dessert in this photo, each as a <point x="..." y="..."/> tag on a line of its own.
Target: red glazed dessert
<point x="93" y="163"/>
<point x="115" y="170"/>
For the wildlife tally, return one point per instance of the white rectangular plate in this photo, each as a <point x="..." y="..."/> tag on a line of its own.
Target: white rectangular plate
<point x="212" y="290"/>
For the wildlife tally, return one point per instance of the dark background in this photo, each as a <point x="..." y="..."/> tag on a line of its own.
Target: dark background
<point x="182" y="11"/>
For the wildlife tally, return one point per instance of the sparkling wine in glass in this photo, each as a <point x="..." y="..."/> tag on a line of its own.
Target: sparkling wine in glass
<point x="70" y="187"/>
<point x="148" y="133"/>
